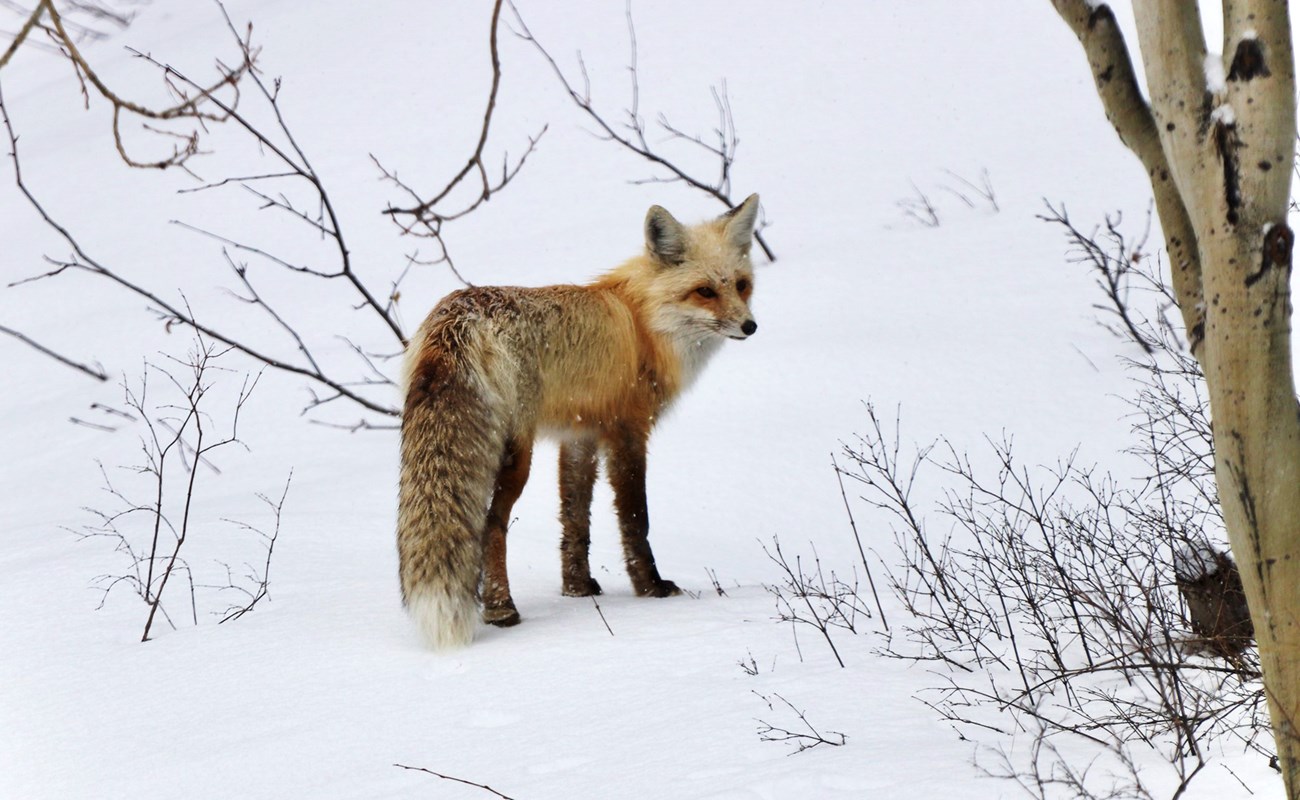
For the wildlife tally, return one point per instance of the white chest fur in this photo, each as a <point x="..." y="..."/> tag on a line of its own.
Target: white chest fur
<point x="693" y="353"/>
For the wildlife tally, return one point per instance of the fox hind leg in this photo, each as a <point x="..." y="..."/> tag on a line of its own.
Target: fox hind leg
<point x="498" y="607"/>
<point x="626" y="460"/>
<point x="577" y="478"/>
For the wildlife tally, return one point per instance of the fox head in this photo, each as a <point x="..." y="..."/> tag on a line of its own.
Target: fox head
<point x="702" y="277"/>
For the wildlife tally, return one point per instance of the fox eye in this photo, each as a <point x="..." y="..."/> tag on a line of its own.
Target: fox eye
<point x="742" y="286"/>
<point x="706" y="292"/>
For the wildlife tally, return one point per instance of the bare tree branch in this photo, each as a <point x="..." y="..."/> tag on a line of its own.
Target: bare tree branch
<point x="299" y="168"/>
<point x="631" y="134"/>
<point x="191" y="104"/>
<point x="96" y="372"/>
<point x="427" y="217"/>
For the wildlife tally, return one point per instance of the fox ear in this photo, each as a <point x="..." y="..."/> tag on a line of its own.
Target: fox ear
<point x="739" y="223"/>
<point x="665" y="237"/>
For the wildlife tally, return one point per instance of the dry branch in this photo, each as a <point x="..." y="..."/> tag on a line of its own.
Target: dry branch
<point x="191" y="103"/>
<point x="429" y="212"/>
<point x="97" y="372"/>
<point x="295" y="167"/>
<point x="258" y="576"/>
<point x="806" y="737"/>
<point x="454" y="779"/>
<point x="631" y="134"/>
<point x="1114" y="260"/>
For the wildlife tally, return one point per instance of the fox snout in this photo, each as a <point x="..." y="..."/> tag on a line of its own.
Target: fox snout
<point x="747" y="329"/>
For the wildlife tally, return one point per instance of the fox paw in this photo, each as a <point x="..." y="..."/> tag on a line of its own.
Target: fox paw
<point x="503" y="616"/>
<point x="586" y="588"/>
<point x="660" y="588"/>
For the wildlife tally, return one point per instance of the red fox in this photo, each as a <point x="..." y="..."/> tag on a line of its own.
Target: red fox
<point x="492" y="368"/>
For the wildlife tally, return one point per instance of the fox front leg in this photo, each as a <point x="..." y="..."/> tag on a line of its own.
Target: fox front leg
<point x="577" y="477"/>
<point x="626" y="459"/>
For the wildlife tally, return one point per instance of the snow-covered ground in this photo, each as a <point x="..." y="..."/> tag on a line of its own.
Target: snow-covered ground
<point x="846" y="113"/>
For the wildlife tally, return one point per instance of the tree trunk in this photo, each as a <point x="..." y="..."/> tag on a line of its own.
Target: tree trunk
<point x="1219" y="150"/>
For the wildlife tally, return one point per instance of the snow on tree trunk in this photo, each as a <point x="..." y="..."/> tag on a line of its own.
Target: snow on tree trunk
<point x="1217" y="139"/>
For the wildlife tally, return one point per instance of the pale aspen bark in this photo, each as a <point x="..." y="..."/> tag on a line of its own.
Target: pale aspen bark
<point x="1229" y="147"/>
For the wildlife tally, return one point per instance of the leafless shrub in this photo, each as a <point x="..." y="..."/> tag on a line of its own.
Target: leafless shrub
<point x="1052" y="603"/>
<point x="921" y="209"/>
<point x="713" y="579"/>
<point x="1052" y="606"/>
<point x="631" y="132"/>
<point x="748" y="664"/>
<point x="803" y="736"/>
<point x="857" y="540"/>
<point x="152" y="522"/>
<point x="810" y="597"/>
<point x="970" y="193"/>
<point x="1044" y="772"/>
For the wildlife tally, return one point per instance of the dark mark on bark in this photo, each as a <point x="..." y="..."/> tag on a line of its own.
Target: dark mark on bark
<point x="1248" y="62"/>
<point x="1099" y="14"/>
<point x="1225" y="140"/>
<point x="1277" y="252"/>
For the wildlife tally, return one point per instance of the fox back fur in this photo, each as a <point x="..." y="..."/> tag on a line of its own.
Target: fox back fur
<point x="492" y="368"/>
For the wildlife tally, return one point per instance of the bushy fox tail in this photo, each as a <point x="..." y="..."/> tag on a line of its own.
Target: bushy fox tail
<point x="451" y="449"/>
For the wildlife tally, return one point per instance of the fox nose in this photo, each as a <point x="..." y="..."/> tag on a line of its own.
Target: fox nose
<point x="748" y="327"/>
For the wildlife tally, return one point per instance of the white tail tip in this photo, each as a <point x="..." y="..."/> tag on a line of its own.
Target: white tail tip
<point x="444" y="621"/>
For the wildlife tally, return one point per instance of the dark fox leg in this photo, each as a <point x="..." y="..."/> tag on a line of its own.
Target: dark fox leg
<point x="577" y="477"/>
<point x="498" y="607"/>
<point x="626" y="466"/>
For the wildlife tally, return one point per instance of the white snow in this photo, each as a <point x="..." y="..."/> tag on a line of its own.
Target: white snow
<point x="1195" y="559"/>
<point x="1215" y="79"/>
<point x="1223" y="115"/>
<point x="978" y="326"/>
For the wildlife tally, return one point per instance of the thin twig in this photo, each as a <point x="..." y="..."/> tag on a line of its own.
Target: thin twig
<point x="602" y="615"/>
<point x="482" y="786"/>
